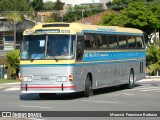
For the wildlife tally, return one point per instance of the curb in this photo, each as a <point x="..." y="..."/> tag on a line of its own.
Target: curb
<point x="15" y="83"/>
<point x="152" y="77"/>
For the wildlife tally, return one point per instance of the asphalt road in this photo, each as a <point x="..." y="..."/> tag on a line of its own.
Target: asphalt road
<point x="144" y="97"/>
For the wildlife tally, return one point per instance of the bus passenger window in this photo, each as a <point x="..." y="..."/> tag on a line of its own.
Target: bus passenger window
<point x="112" y="41"/>
<point x="101" y="41"/>
<point x="122" y="41"/>
<point x="131" y="42"/>
<point x="139" y="41"/>
<point x="89" y="41"/>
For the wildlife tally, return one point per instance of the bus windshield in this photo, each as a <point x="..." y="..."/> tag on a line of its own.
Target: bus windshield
<point x="47" y="47"/>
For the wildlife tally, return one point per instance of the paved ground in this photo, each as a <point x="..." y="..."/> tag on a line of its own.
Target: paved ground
<point x="144" y="97"/>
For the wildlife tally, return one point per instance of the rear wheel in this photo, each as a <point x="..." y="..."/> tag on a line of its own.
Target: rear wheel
<point x="88" y="87"/>
<point x="131" y="80"/>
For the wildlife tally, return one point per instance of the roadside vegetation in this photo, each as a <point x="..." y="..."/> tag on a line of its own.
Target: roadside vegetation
<point x="8" y="81"/>
<point x="13" y="63"/>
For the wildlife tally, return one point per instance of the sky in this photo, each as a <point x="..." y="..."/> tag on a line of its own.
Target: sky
<point x="77" y="1"/>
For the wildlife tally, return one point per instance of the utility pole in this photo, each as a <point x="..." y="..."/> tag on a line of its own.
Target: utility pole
<point x="83" y="15"/>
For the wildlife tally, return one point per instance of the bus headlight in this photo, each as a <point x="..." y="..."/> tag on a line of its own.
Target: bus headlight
<point x="27" y="78"/>
<point x="62" y="78"/>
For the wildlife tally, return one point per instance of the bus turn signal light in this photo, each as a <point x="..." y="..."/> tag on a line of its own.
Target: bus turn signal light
<point x="20" y="78"/>
<point x="70" y="78"/>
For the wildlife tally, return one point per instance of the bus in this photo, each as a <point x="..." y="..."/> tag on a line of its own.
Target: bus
<point x="95" y="57"/>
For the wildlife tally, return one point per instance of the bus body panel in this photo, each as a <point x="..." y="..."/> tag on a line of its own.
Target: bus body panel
<point x="104" y="73"/>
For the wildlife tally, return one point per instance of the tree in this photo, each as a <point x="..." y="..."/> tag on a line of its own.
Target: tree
<point x="137" y="15"/>
<point x="52" y="18"/>
<point x="14" y="18"/>
<point x="118" y="5"/>
<point x="79" y="11"/>
<point x="15" y="5"/>
<point x="153" y="59"/>
<point x="58" y="5"/>
<point x="13" y="63"/>
<point x="37" y="5"/>
<point x="49" y="5"/>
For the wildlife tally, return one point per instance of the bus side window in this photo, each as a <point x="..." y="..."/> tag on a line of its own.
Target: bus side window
<point x="101" y="41"/>
<point x="139" y="41"/>
<point x="79" y="50"/>
<point x="131" y="42"/>
<point x="122" y="41"/>
<point x="112" y="41"/>
<point x="89" y="41"/>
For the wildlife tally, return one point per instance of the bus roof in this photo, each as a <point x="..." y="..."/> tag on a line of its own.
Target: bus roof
<point x="74" y="28"/>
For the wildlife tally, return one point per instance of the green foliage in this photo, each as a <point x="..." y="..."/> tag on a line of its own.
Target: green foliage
<point x="14" y="5"/>
<point x="118" y="5"/>
<point x="14" y="17"/>
<point x="137" y="15"/>
<point x="48" y="5"/>
<point x="58" y="5"/>
<point x="75" y="13"/>
<point x="37" y="5"/>
<point x="153" y="58"/>
<point x="13" y="62"/>
<point x="52" y="18"/>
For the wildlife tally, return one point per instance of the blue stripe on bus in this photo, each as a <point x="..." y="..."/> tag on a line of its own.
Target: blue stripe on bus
<point x="92" y="58"/>
<point x="95" y="56"/>
<point x="106" y="32"/>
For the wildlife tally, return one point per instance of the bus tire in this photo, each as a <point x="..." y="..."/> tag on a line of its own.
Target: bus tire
<point x="88" y="87"/>
<point x="131" y="80"/>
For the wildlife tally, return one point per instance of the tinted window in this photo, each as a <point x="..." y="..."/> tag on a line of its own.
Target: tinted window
<point x="101" y="41"/>
<point x="131" y="42"/>
<point x="139" y="42"/>
<point x="112" y="41"/>
<point x="89" y="41"/>
<point x="122" y="41"/>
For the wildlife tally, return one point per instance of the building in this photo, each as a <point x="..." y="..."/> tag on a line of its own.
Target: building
<point x="7" y="38"/>
<point x="78" y="2"/>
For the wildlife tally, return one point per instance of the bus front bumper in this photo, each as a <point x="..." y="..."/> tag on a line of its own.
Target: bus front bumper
<point x="25" y="88"/>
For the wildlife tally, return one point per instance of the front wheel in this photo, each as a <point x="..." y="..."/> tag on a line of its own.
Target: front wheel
<point x="88" y="87"/>
<point x="131" y="80"/>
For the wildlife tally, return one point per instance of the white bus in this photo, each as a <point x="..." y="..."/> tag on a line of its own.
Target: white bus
<point x="95" y="57"/>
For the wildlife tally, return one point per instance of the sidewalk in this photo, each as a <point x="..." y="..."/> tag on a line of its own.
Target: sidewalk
<point x="15" y="83"/>
<point x="152" y="77"/>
